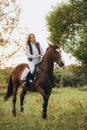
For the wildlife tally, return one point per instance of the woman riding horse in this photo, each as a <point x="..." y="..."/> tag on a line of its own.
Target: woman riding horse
<point x="43" y="83"/>
<point x="34" y="53"/>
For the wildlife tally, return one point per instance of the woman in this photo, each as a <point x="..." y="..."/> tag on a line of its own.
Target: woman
<point x="34" y="53"/>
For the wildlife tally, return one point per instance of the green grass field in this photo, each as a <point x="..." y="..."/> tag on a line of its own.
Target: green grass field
<point x="67" y="110"/>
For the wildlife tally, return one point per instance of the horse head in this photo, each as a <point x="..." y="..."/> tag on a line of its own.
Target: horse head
<point x="56" y="54"/>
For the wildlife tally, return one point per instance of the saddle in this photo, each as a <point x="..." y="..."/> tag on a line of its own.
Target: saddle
<point x="37" y="70"/>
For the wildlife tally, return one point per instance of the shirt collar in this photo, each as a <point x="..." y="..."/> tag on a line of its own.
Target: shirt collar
<point x="33" y="43"/>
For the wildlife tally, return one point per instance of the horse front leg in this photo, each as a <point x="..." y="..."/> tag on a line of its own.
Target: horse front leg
<point x="22" y="100"/>
<point x="45" y="96"/>
<point x="45" y="104"/>
<point x="42" y="92"/>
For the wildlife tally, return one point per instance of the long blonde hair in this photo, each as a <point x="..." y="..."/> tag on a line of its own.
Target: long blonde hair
<point x="28" y="40"/>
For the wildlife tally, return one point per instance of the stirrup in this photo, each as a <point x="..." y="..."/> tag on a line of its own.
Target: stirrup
<point x="23" y="85"/>
<point x="31" y="81"/>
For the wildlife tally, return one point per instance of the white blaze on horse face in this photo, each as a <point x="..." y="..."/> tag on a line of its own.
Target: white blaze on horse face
<point x="62" y="60"/>
<point x="58" y="50"/>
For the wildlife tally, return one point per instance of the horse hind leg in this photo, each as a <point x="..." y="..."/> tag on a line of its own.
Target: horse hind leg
<point x="15" y="88"/>
<point x="23" y="93"/>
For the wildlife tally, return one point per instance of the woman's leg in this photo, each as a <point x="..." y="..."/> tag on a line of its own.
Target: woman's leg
<point x="26" y="77"/>
<point x="25" y="73"/>
<point x="32" y="67"/>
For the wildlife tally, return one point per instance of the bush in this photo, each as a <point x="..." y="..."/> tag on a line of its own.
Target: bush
<point x="70" y="76"/>
<point x="4" y="75"/>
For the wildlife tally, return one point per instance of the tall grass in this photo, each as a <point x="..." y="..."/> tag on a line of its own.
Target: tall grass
<point x="67" y="110"/>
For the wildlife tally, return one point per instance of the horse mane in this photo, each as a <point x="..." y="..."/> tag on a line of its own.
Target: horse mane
<point x="45" y="54"/>
<point x="47" y="49"/>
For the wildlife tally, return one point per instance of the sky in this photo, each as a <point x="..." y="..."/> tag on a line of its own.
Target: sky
<point x="33" y="17"/>
<point x="34" y="14"/>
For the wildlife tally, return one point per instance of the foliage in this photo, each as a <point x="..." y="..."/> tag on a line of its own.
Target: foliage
<point x="12" y="34"/>
<point x="67" y="110"/>
<point x="9" y="17"/>
<point x="67" y="24"/>
<point x="70" y="76"/>
<point x="4" y="75"/>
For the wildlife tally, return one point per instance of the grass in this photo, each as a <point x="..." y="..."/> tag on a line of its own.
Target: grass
<point x="67" y="110"/>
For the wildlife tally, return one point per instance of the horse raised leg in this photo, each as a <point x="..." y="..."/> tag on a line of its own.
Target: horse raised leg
<point x="15" y="88"/>
<point x="23" y="93"/>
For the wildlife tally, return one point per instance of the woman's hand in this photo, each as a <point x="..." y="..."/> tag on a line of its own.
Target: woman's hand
<point x="39" y="56"/>
<point x="30" y="59"/>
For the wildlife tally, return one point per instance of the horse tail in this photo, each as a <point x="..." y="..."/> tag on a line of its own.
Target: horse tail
<point x="9" y="89"/>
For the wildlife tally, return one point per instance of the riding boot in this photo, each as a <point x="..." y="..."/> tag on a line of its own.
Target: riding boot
<point x="28" y="80"/>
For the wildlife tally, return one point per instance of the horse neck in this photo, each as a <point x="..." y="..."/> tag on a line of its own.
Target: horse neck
<point x="48" y="64"/>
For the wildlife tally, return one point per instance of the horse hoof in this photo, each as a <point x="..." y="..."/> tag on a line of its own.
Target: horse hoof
<point x="44" y="115"/>
<point x="21" y="109"/>
<point x="14" y="113"/>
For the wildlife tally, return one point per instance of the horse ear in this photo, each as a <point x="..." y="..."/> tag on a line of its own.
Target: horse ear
<point x="50" y="45"/>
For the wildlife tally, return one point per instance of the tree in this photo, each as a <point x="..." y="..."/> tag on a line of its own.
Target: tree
<point x="9" y="17"/>
<point x="67" y="24"/>
<point x="10" y="12"/>
<point x="15" y="49"/>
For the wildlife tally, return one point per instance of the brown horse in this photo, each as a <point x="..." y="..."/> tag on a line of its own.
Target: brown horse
<point x="43" y="83"/>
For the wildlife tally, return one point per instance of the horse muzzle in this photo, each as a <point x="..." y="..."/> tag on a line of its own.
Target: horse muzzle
<point x="61" y="64"/>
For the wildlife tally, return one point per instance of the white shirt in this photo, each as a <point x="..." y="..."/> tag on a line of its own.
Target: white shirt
<point x="32" y="63"/>
<point x="35" y="52"/>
